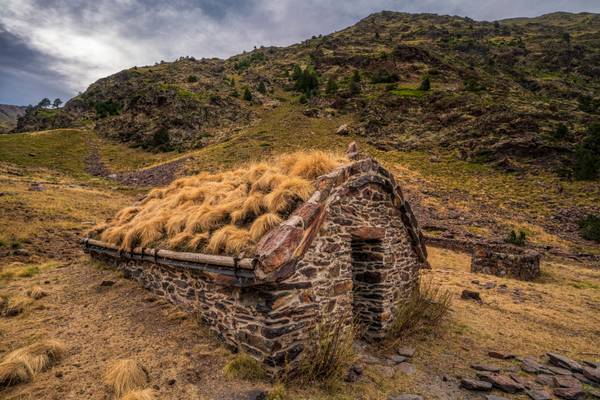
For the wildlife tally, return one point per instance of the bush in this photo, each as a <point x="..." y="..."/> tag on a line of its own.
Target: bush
<point x="307" y="81"/>
<point x="329" y="351"/>
<point x="355" y="76"/>
<point x="262" y="88"/>
<point x="587" y="155"/>
<point x="192" y="79"/>
<point x="247" y="94"/>
<point x="242" y="366"/>
<point x="515" y="238"/>
<point x="354" y="88"/>
<point x="472" y="85"/>
<point x="561" y="131"/>
<point x="589" y="227"/>
<point x="425" y="84"/>
<point x="332" y="86"/>
<point x="424" y="311"/>
<point x="106" y="108"/>
<point x="384" y="76"/>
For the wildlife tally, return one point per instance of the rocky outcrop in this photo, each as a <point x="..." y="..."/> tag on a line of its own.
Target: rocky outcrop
<point x="524" y="266"/>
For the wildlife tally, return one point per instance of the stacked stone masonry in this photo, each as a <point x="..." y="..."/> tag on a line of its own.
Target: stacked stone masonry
<point x="524" y="266"/>
<point x="356" y="259"/>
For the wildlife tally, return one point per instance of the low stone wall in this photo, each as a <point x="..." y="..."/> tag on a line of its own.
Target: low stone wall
<point x="524" y="266"/>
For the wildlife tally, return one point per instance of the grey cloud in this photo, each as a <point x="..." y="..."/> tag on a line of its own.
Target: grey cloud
<point x="64" y="45"/>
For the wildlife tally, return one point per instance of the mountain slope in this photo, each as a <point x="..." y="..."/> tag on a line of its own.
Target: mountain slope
<point x="500" y="92"/>
<point x="8" y="116"/>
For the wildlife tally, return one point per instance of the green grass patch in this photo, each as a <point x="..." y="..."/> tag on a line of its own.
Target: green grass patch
<point x="585" y="285"/>
<point x="408" y="92"/>
<point x="242" y="366"/>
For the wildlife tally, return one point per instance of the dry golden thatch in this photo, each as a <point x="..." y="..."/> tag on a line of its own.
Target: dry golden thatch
<point x="222" y="213"/>
<point x="36" y="292"/>
<point x="146" y="394"/>
<point x="23" y="364"/>
<point x="125" y="375"/>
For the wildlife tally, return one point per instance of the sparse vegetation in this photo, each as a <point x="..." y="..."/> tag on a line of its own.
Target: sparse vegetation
<point x="22" y="365"/>
<point x="517" y="238"/>
<point x="243" y="366"/>
<point x="590" y="228"/>
<point x="247" y="94"/>
<point x="329" y="351"/>
<point x="587" y="156"/>
<point x="262" y="88"/>
<point x="144" y="394"/>
<point x="423" y="312"/>
<point x="125" y="375"/>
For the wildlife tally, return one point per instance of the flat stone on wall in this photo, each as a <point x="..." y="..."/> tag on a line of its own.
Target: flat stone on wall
<point x="524" y="266"/>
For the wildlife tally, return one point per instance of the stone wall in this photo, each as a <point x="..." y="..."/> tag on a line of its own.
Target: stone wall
<point x="524" y="266"/>
<point x="362" y="260"/>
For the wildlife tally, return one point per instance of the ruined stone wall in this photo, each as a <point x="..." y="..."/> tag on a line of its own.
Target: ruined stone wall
<point x="524" y="266"/>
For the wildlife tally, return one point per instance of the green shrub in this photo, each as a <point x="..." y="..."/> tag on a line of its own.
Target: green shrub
<point x="589" y="227"/>
<point x="246" y="62"/>
<point x="329" y="351"/>
<point x="425" y="84"/>
<point x="307" y="81"/>
<point x="242" y="366"/>
<point x="332" y="86"/>
<point x="106" y="108"/>
<point x="515" y="238"/>
<point x="561" y="131"/>
<point x="247" y="94"/>
<point x="262" y="88"/>
<point x="384" y="76"/>
<point x="423" y="312"/>
<point x="472" y="85"/>
<point x="587" y="155"/>
<point x="192" y="79"/>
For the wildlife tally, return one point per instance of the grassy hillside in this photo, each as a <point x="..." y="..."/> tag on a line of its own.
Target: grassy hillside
<point x="515" y="94"/>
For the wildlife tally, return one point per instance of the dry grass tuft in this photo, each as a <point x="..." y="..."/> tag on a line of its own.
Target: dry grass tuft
<point x="23" y="364"/>
<point x="243" y="366"/>
<point x="226" y="212"/>
<point x="14" y="306"/>
<point x="329" y="352"/>
<point x="36" y="292"/>
<point x="422" y="312"/>
<point x="125" y="375"/>
<point x="146" y="394"/>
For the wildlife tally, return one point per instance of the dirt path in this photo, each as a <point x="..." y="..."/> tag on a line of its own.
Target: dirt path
<point x="158" y="175"/>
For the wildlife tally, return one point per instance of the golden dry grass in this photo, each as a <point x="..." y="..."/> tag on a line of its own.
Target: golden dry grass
<point x="125" y="375"/>
<point x="146" y="394"/>
<point x="14" y="305"/>
<point x="36" y="292"/>
<point x="23" y="364"/>
<point x="225" y="212"/>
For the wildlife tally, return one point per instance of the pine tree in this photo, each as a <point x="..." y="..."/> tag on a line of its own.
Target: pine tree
<point x="262" y="88"/>
<point x="57" y="102"/>
<point x="45" y="102"/>
<point x="247" y="94"/>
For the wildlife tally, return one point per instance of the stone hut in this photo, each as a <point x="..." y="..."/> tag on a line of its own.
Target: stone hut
<point x="351" y="252"/>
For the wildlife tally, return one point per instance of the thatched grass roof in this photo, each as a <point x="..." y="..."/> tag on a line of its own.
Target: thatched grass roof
<point x="220" y="213"/>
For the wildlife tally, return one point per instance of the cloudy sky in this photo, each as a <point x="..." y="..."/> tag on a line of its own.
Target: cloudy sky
<point x="55" y="48"/>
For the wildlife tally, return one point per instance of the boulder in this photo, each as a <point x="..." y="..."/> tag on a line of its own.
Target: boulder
<point x="502" y="355"/>
<point x="566" y="381"/>
<point x="529" y="364"/>
<point x="407" y="368"/>
<point x="407" y="352"/>
<point x="545" y="379"/>
<point x="470" y="295"/>
<point x="343" y="130"/>
<point x="486" y="367"/>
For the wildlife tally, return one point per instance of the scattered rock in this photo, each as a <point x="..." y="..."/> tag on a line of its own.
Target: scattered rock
<point x="564" y="362"/>
<point x="171" y="382"/>
<point x="593" y="374"/>
<point x="407" y="352"/>
<point x="474" y="384"/>
<point x="36" y="187"/>
<point x="58" y="374"/>
<point x="489" y="285"/>
<point x="502" y="355"/>
<point x="21" y="252"/>
<point x="501" y="382"/>
<point x="545" y="379"/>
<point x="387" y="371"/>
<point x="369" y="359"/>
<point x="528" y="364"/>
<point x="404" y="397"/>
<point x="581" y="378"/>
<point x="470" y="295"/>
<point x="407" y="368"/>
<point x="538" y="394"/>
<point x="592" y="364"/>
<point x="569" y="393"/>
<point x="343" y="130"/>
<point x="256" y="394"/>
<point x="485" y="367"/>
<point x="566" y="381"/>
<point x="107" y="283"/>
<point x="519" y="379"/>
<point x="396" y="359"/>
<point x="558" y="370"/>
<point x="354" y="373"/>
